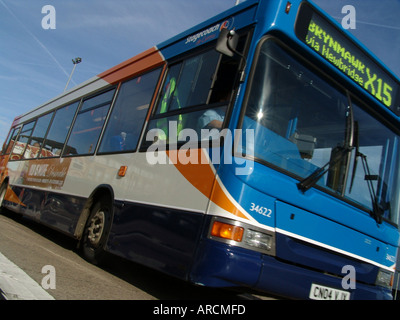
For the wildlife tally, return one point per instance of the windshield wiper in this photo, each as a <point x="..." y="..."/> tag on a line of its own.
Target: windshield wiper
<point x="338" y="153"/>
<point x="312" y="179"/>
<point x="357" y="146"/>
<point x="377" y="209"/>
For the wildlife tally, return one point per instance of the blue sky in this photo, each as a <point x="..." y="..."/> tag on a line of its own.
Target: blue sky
<point x="35" y="63"/>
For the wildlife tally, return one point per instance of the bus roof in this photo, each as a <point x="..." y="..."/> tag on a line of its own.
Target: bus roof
<point x="223" y="17"/>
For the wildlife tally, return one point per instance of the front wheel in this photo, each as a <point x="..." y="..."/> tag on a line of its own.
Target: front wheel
<point x="96" y="232"/>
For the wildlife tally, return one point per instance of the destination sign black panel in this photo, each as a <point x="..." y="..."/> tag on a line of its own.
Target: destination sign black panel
<point x="335" y="47"/>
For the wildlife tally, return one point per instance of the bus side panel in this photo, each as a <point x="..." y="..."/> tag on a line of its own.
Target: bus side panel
<point x="161" y="238"/>
<point x="56" y="210"/>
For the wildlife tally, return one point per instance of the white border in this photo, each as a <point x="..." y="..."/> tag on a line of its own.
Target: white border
<point x="343" y="252"/>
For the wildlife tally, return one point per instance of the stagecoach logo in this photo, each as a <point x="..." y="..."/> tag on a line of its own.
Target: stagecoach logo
<point x="210" y="33"/>
<point x="49" y="173"/>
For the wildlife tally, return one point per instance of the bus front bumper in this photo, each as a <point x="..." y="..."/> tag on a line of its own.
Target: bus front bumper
<point x="221" y="265"/>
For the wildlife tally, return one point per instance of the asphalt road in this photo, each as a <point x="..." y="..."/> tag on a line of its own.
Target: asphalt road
<point x="31" y="247"/>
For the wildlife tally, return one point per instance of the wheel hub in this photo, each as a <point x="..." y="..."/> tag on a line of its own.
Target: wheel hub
<point x="96" y="228"/>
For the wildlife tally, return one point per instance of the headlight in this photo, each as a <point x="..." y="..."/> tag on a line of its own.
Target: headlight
<point x="240" y="234"/>
<point x="258" y="240"/>
<point x="384" y="278"/>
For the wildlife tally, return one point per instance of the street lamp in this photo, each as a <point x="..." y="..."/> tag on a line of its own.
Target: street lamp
<point x="75" y="62"/>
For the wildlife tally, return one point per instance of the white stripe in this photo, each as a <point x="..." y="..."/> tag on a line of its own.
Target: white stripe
<point x="343" y="252"/>
<point x="15" y="284"/>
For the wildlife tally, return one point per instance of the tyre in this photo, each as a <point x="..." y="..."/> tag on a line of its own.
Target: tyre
<point x="96" y="232"/>
<point x="3" y="190"/>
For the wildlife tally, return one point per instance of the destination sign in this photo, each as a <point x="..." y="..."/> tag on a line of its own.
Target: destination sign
<point x="335" y="47"/>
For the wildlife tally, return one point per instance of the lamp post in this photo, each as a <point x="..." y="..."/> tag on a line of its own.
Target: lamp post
<point x="75" y="62"/>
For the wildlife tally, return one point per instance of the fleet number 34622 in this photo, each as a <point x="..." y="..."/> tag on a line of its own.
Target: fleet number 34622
<point x="261" y="210"/>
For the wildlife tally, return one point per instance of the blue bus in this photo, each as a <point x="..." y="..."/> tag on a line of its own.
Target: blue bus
<point x="259" y="149"/>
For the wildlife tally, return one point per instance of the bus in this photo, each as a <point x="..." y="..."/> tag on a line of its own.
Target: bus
<point x="258" y="149"/>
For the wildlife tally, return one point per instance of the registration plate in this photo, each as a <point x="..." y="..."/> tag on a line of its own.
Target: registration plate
<point x="319" y="292"/>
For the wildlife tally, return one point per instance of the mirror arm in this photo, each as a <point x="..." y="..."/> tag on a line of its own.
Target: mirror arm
<point x="226" y="45"/>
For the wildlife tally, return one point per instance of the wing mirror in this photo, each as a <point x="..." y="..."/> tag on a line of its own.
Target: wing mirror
<point x="227" y="42"/>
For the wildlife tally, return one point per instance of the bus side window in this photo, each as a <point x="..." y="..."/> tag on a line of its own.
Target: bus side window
<point x="8" y="144"/>
<point x="225" y="80"/>
<point x="196" y="89"/>
<point x="129" y="113"/>
<point x="21" y="141"/>
<point x="35" y="142"/>
<point x="88" y="124"/>
<point x="54" y="142"/>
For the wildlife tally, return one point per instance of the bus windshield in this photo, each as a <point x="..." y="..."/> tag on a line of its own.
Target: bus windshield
<point x="301" y="122"/>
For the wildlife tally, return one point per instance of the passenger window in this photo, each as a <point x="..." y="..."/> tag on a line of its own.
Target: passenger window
<point x="7" y="147"/>
<point x="169" y="95"/>
<point x="96" y="101"/>
<point x="129" y="113"/>
<point x="88" y="125"/>
<point x="20" y="144"/>
<point x="58" y="132"/>
<point x="195" y="96"/>
<point x="35" y="142"/>
<point x="188" y="83"/>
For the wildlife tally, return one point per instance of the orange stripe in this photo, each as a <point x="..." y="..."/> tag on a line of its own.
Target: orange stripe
<point x="12" y="197"/>
<point x="202" y="177"/>
<point x="221" y="199"/>
<point x="131" y="67"/>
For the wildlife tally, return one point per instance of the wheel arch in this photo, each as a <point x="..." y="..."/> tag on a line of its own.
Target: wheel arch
<point x="103" y="191"/>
